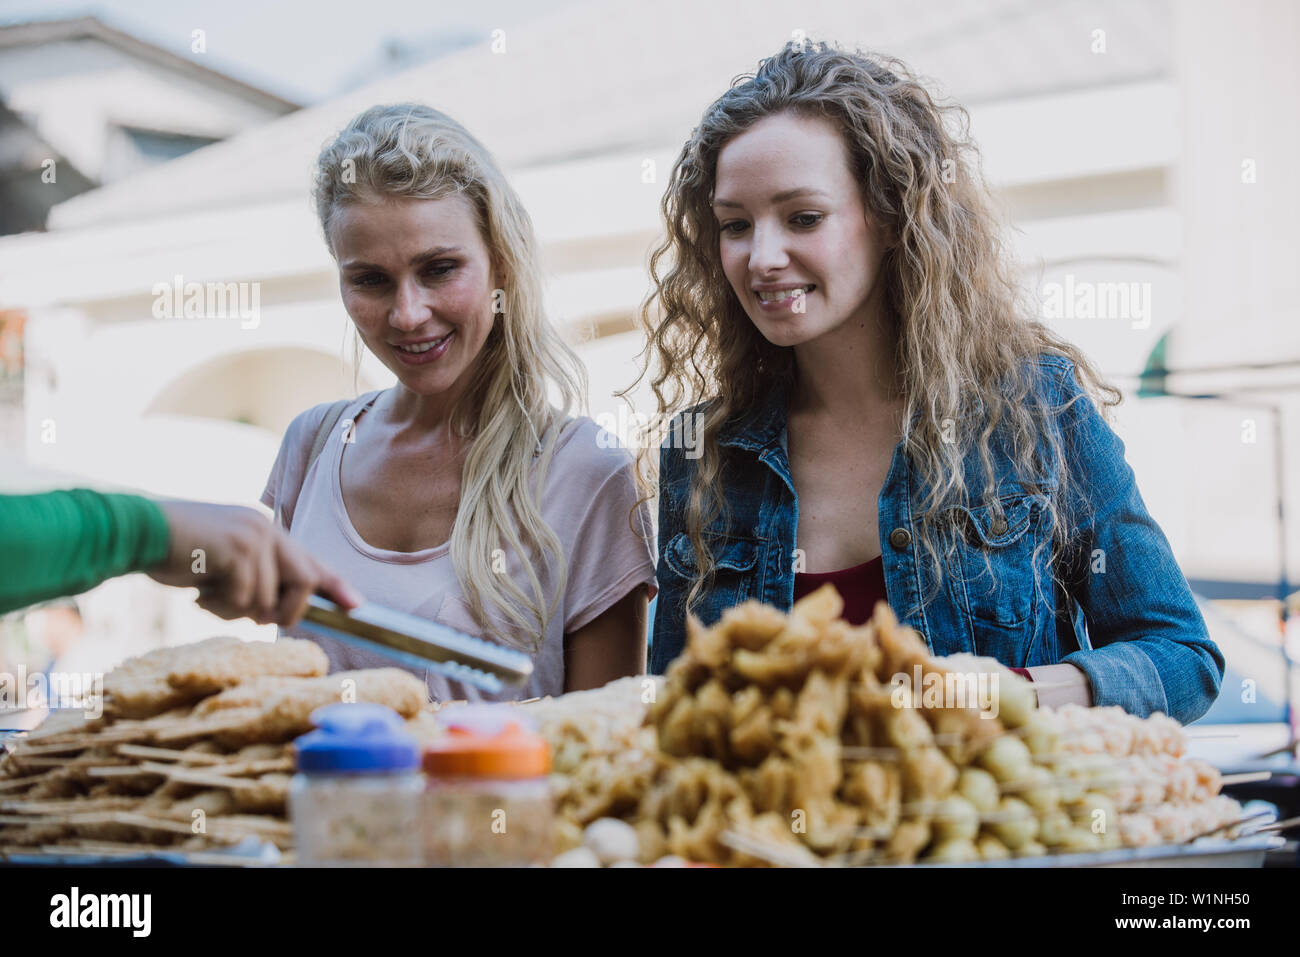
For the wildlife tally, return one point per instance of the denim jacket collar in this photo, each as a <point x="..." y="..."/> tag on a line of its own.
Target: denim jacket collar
<point x="762" y="425"/>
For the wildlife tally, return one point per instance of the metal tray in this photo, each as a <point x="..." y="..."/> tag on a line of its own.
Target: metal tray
<point x="252" y="855"/>
<point x="1246" y="851"/>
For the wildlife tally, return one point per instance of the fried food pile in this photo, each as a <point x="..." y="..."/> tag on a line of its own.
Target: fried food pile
<point x="603" y="754"/>
<point x="802" y="740"/>
<point x="193" y="750"/>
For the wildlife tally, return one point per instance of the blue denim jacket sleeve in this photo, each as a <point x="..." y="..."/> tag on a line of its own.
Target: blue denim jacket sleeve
<point x="1150" y="648"/>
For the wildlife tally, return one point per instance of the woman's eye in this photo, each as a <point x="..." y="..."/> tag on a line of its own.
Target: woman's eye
<point x="808" y="219"/>
<point x="368" y="279"/>
<point x="734" y="227"/>
<point x="439" y="269"/>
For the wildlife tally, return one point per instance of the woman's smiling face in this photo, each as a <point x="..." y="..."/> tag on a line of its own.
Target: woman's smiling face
<point x="416" y="278"/>
<point x="796" y="243"/>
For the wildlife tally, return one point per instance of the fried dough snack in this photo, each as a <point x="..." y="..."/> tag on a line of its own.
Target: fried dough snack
<point x="280" y="708"/>
<point x="207" y="670"/>
<point x="169" y="677"/>
<point x="203" y="762"/>
<point x="759" y="725"/>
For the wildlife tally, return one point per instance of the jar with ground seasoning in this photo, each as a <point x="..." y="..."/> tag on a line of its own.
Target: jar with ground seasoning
<point x="487" y="800"/>
<point x="355" y="801"/>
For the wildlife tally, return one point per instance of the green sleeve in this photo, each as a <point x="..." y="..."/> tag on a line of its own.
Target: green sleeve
<point x="63" y="543"/>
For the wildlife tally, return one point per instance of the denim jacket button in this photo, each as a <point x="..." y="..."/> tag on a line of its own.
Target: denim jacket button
<point x="900" y="538"/>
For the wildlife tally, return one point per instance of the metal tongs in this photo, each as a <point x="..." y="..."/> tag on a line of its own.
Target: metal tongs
<point x="419" y="643"/>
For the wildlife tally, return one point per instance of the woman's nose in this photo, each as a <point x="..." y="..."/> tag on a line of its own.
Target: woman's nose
<point x="767" y="250"/>
<point x="410" y="310"/>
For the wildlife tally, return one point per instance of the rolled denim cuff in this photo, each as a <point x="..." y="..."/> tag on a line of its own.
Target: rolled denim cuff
<point x="1122" y="674"/>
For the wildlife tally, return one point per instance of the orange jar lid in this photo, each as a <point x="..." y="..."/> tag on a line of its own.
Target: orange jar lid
<point x="510" y="752"/>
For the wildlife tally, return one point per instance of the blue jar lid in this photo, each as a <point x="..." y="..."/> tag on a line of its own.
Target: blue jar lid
<point x="356" y="738"/>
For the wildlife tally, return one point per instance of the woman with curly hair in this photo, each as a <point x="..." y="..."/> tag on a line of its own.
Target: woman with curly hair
<point x="837" y="324"/>
<point x="461" y="493"/>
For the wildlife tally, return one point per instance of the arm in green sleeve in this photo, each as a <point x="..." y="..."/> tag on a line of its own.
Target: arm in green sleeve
<point x="65" y="542"/>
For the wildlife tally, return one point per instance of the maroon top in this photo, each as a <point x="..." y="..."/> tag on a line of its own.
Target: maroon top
<point x="860" y="586"/>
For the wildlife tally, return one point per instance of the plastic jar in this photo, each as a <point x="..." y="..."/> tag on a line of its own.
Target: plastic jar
<point x="355" y="801"/>
<point x="487" y="801"/>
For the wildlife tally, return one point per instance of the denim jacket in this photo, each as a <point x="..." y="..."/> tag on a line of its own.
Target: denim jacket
<point x="1116" y="605"/>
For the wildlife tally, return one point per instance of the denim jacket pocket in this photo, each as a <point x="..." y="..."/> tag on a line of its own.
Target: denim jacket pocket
<point x="994" y="556"/>
<point x="735" y="563"/>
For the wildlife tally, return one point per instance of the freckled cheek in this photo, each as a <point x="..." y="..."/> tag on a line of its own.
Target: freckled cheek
<point x="464" y="302"/>
<point x="370" y="316"/>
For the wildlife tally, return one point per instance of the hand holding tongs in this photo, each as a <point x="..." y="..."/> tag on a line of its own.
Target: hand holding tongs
<point x="416" y="642"/>
<point x="420" y="643"/>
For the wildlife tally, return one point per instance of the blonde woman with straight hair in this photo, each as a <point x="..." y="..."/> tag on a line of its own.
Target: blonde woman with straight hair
<point x="461" y="493"/>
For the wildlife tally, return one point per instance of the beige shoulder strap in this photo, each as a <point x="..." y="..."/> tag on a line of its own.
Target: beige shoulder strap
<point x="285" y="509"/>
<point x="323" y="433"/>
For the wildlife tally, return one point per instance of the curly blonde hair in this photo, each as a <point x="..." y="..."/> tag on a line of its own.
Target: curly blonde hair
<point x="412" y="150"/>
<point x="965" y="337"/>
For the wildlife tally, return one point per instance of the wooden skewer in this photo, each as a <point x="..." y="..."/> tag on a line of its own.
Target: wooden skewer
<point x="1285" y="825"/>
<point x="172" y="754"/>
<point x="856" y="753"/>
<point x="25" y="750"/>
<point x="186" y="776"/>
<point x="54" y="732"/>
<point x="215" y="825"/>
<point x="1246" y="776"/>
<point x="136" y="819"/>
<point x="201" y="727"/>
<point x="49" y="806"/>
<point x="117" y="771"/>
<point x="1229" y="825"/>
<point x="21" y="819"/>
<point x="257" y="767"/>
<point x="56" y="763"/>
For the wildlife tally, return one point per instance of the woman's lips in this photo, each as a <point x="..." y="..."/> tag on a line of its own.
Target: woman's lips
<point x="429" y="355"/>
<point x="787" y="303"/>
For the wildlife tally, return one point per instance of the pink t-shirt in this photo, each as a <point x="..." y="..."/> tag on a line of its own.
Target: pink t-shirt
<point x="588" y="498"/>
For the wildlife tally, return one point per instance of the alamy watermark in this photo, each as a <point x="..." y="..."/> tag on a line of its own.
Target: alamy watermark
<point x="208" y="300"/>
<point x="933" y="690"/>
<point x="1080" y="299"/>
<point x="71" y="690"/>
<point x="685" y="431"/>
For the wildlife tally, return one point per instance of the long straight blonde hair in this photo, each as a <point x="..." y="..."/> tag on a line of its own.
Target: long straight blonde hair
<point x="414" y="151"/>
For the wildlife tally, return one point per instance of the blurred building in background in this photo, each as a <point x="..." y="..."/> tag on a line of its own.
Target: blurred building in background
<point x="83" y="104"/>
<point x="1143" y="150"/>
